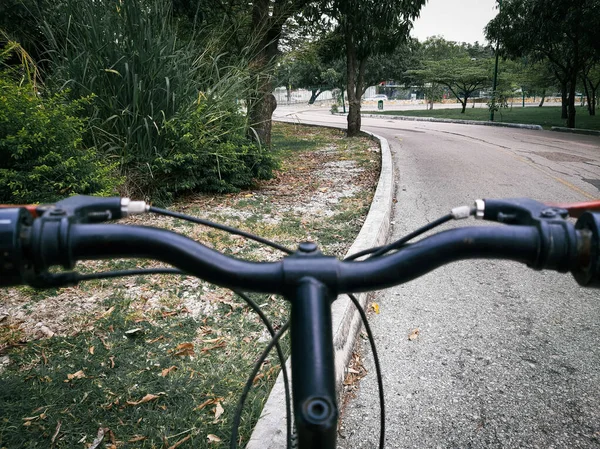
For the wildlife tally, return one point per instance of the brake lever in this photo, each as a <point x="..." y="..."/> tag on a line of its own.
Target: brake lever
<point x="90" y="209"/>
<point x="518" y="211"/>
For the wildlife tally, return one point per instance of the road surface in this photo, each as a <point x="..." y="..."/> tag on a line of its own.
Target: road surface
<point x="506" y="357"/>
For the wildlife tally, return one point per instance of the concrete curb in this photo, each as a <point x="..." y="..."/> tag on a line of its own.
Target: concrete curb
<point x="589" y="132"/>
<point x="448" y="120"/>
<point x="270" y="431"/>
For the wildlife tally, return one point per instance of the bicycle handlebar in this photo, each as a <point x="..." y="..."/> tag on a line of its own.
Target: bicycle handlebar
<point x="536" y="235"/>
<point x="60" y="242"/>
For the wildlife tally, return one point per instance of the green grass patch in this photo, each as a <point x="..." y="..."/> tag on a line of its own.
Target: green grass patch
<point x="153" y="360"/>
<point x="546" y="116"/>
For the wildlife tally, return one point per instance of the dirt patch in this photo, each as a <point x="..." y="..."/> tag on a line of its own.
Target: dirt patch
<point x="310" y="189"/>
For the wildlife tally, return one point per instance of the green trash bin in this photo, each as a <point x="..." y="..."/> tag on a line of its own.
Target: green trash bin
<point x="380" y="105"/>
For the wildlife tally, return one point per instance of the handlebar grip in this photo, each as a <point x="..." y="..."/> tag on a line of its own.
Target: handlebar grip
<point x="587" y="273"/>
<point x="12" y="226"/>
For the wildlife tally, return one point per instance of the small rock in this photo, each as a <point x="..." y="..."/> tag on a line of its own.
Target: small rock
<point x="44" y="329"/>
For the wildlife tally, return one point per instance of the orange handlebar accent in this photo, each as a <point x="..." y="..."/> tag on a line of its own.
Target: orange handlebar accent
<point x="31" y="208"/>
<point x="576" y="209"/>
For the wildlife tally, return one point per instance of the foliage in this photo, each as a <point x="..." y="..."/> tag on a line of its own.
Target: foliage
<point x="17" y="62"/>
<point x="42" y="157"/>
<point x="366" y="29"/>
<point x="209" y="158"/>
<point x="149" y="84"/>
<point x="453" y="66"/>
<point x="565" y="32"/>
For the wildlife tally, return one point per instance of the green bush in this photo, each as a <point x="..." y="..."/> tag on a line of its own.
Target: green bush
<point x="164" y="106"/>
<point x="209" y="152"/>
<point x="41" y="154"/>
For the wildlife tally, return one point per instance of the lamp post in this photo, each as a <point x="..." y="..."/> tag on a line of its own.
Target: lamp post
<point x="495" y="82"/>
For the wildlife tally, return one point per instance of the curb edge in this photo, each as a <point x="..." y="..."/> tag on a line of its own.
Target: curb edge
<point x="270" y="430"/>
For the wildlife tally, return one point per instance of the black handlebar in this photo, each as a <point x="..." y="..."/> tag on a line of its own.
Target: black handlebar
<point x="30" y="249"/>
<point x="535" y="235"/>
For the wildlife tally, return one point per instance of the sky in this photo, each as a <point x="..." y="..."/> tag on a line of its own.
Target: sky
<point x="455" y="20"/>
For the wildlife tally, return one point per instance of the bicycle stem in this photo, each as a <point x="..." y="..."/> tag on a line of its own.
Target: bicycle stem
<point x="313" y="367"/>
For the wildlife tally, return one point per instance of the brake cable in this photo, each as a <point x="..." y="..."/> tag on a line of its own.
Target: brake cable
<point x="75" y="277"/>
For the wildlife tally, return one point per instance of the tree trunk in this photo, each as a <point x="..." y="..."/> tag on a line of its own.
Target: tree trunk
<point x="572" y="110"/>
<point x="260" y="111"/>
<point x="543" y="99"/>
<point x="564" y="101"/>
<point x="464" y="104"/>
<point x="262" y="102"/>
<point x="314" y="95"/>
<point x="353" y="98"/>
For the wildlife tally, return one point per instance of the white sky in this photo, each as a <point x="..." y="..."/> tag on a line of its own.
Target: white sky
<point x="455" y="20"/>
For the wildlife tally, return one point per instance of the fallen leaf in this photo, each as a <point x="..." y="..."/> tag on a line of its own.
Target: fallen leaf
<point x="208" y="402"/>
<point x="246" y="339"/>
<point x="108" y="312"/>
<point x="218" y="411"/>
<point x="414" y="334"/>
<point x="78" y="375"/>
<point x="213" y="438"/>
<point x="104" y="343"/>
<point x="257" y="378"/>
<point x="184" y="349"/>
<point x="166" y="371"/>
<point x="58" y="424"/>
<point x="91" y="350"/>
<point x="134" y="332"/>
<point x="212" y="340"/>
<point x="137" y="438"/>
<point x="98" y="439"/>
<point x="31" y="418"/>
<point x="375" y="307"/>
<point x="149" y="397"/>
<point x="162" y="337"/>
<point x="222" y="344"/>
<point x="180" y="442"/>
<point x="112" y="361"/>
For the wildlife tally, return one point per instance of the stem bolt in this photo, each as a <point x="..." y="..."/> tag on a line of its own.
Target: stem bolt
<point x="307" y="247"/>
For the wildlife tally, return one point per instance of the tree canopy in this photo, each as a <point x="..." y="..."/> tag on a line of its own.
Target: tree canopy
<point x="565" y="32"/>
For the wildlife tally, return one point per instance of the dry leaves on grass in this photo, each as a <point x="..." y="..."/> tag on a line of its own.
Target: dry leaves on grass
<point x="180" y="442"/>
<point x="149" y="397"/>
<point x="208" y="402"/>
<point x="165" y="372"/>
<point x="213" y="438"/>
<point x="78" y="375"/>
<point x="218" y="410"/>
<point x="184" y="349"/>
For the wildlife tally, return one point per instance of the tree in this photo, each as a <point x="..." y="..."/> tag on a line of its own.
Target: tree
<point x="255" y="30"/>
<point x="563" y="31"/>
<point x="591" y="81"/>
<point x="462" y="76"/>
<point x="368" y="28"/>
<point x="306" y="67"/>
<point x="462" y="68"/>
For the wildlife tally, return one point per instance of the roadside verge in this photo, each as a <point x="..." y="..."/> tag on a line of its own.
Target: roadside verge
<point x="270" y="431"/>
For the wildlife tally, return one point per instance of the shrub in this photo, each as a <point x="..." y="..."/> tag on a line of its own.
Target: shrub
<point x="149" y="110"/>
<point x="209" y="152"/>
<point x="41" y="154"/>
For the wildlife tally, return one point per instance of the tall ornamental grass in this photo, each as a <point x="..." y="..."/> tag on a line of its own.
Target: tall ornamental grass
<point x="164" y="107"/>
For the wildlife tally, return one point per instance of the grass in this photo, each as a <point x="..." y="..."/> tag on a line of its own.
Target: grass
<point x="159" y="362"/>
<point x="546" y="116"/>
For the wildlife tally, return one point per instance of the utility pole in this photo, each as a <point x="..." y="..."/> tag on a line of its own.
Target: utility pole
<point x="495" y="83"/>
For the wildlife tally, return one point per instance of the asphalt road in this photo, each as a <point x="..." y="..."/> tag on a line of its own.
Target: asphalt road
<point x="506" y="357"/>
